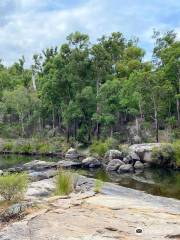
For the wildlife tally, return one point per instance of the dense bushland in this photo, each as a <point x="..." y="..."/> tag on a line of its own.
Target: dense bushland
<point x="84" y="91"/>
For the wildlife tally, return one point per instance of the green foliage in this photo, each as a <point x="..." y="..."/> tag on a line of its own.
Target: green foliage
<point x="176" y="148"/>
<point x="20" y="101"/>
<point x="176" y="133"/>
<point x="98" y="185"/>
<point x="43" y="148"/>
<point x="66" y="182"/>
<point x="99" y="148"/>
<point x="13" y="187"/>
<point x="112" y="143"/>
<point x="26" y="148"/>
<point x="36" y="145"/>
<point x="7" y="146"/>
<point x="85" y="91"/>
<point x="163" y="155"/>
<point x="124" y="148"/>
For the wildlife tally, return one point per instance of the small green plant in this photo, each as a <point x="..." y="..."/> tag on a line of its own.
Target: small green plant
<point x="8" y="146"/>
<point x="176" y="148"/>
<point x="99" y="148"/>
<point x="13" y="187"/>
<point x="124" y="148"/>
<point x="98" y="185"/>
<point x="66" y="182"/>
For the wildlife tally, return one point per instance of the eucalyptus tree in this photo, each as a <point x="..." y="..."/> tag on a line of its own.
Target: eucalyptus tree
<point x="167" y="56"/>
<point x="20" y="103"/>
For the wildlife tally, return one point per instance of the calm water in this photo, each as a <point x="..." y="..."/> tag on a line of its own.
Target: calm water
<point x="159" y="182"/>
<point x="8" y="161"/>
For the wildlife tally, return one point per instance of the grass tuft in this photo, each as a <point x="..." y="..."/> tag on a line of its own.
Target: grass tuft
<point x="98" y="185"/>
<point x="66" y="182"/>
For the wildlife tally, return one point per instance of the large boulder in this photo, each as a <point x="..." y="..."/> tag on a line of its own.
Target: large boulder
<point x="127" y="160"/>
<point x="144" y="151"/>
<point x="37" y="165"/>
<point x="91" y="162"/>
<point x="114" y="164"/>
<point x="72" y="154"/>
<point x="126" y="168"/>
<point x="138" y="165"/>
<point x="147" y="157"/>
<point x="113" y="154"/>
<point x="159" y="154"/>
<point x="134" y="156"/>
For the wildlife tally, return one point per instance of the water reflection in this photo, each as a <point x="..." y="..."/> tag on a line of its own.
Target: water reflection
<point x="161" y="182"/>
<point x="7" y="161"/>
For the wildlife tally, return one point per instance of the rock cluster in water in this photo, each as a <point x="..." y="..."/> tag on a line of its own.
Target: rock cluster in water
<point x="139" y="157"/>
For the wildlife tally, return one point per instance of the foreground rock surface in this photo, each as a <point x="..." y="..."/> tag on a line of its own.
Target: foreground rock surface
<point x="14" y="211"/>
<point x="115" y="214"/>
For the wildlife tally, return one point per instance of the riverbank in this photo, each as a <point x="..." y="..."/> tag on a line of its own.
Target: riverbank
<point x="132" y="157"/>
<point x="115" y="213"/>
<point x="154" y="180"/>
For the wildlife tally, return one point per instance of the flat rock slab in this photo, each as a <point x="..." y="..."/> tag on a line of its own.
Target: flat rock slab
<point x="40" y="190"/>
<point x="116" y="213"/>
<point x="99" y="217"/>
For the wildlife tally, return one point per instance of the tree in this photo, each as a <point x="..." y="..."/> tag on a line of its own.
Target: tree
<point x="108" y="100"/>
<point x="92" y="90"/>
<point x="167" y="56"/>
<point x="21" y="103"/>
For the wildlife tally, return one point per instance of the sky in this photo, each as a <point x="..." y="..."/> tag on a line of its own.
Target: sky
<point x="29" y="26"/>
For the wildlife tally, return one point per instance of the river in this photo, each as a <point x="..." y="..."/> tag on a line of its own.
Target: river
<point x="155" y="181"/>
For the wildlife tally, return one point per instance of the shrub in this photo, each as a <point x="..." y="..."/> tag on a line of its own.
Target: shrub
<point x="111" y="143"/>
<point x="98" y="185"/>
<point x="124" y="148"/>
<point x="66" y="182"/>
<point x="43" y="148"/>
<point x="26" y="148"/>
<point x="8" y="146"/>
<point x="163" y="155"/>
<point x="99" y="147"/>
<point x="176" y="148"/>
<point x="21" y="146"/>
<point x="13" y="187"/>
<point x="176" y="133"/>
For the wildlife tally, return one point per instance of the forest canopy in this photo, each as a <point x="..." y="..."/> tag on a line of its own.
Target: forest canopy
<point x="85" y="91"/>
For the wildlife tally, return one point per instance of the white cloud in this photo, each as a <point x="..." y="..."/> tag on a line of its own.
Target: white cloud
<point x="28" y="26"/>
